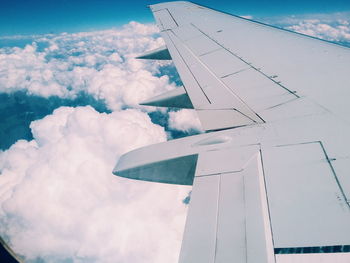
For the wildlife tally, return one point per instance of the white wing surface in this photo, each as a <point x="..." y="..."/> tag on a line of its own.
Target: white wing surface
<point x="272" y="177"/>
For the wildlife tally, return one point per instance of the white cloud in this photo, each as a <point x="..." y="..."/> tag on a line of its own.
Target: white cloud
<point x="337" y="31"/>
<point x="184" y="120"/>
<point x="332" y="26"/>
<point x="59" y="199"/>
<point x="119" y="87"/>
<point x="100" y="63"/>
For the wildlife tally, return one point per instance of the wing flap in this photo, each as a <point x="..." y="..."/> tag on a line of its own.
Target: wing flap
<point x="306" y="198"/>
<point x="199" y="245"/>
<point x="229" y="209"/>
<point x="222" y="119"/>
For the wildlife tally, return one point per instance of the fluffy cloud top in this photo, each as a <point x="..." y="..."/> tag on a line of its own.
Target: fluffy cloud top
<point x="59" y="199"/>
<point x="332" y="26"/>
<point x="184" y="120"/>
<point x="100" y="63"/>
<point x="338" y="31"/>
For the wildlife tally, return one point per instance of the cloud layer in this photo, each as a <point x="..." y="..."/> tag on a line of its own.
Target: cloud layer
<point x="100" y="63"/>
<point x="59" y="199"/>
<point x="86" y="67"/>
<point x="338" y="31"/>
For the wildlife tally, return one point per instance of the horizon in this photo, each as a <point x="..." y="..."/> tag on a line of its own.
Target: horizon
<point x="20" y="17"/>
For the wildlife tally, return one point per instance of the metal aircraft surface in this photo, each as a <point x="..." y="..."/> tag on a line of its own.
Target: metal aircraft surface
<point x="271" y="177"/>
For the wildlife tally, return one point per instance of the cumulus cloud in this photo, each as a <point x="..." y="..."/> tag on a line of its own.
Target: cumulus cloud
<point x="59" y="200"/>
<point x="337" y="31"/>
<point x="100" y="63"/>
<point x="332" y="26"/>
<point x="184" y="120"/>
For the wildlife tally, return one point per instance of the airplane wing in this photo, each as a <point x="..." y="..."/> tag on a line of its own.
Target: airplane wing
<point x="271" y="177"/>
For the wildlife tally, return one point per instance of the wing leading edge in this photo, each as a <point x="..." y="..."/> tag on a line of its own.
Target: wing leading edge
<point x="272" y="180"/>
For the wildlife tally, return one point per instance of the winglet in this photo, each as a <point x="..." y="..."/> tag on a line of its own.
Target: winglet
<point x="161" y="53"/>
<point x="177" y="98"/>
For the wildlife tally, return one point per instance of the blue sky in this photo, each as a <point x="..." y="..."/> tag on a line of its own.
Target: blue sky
<point x="55" y="16"/>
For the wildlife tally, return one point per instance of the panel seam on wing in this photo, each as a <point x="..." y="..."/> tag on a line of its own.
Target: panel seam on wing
<point x="250" y="64"/>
